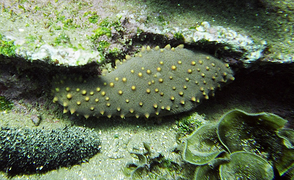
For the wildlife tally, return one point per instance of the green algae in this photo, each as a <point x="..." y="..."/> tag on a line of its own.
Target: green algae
<point x="251" y="129"/>
<point x="54" y="18"/>
<point x="104" y="28"/>
<point x="179" y="36"/>
<point x="288" y="137"/>
<point x="188" y="124"/>
<point x="255" y="140"/>
<point x="245" y="165"/>
<point x="7" y="47"/>
<point x="100" y="32"/>
<point x="94" y="18"/>
<point x="62" y="39"/>
<point x="203" y="146"/>
<point x="5" y="104"/>
<point x="102" y="36"/>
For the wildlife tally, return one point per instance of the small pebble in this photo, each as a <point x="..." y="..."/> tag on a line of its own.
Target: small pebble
<point x="36" y="119"/>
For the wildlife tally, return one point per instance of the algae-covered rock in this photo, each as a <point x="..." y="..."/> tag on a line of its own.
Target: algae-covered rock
<point x="65" y="32"/>
<point x="78" y="33"/>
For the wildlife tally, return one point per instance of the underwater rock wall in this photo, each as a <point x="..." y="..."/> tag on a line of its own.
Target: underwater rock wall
<point x="156" y="82"/>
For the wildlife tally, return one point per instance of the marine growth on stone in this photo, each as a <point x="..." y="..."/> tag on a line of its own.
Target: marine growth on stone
<point x="156" y="82"/>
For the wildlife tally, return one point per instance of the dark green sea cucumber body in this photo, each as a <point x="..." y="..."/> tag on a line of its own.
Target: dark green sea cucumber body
<point x="26" y="151"/>
<point x="156" y="82"/>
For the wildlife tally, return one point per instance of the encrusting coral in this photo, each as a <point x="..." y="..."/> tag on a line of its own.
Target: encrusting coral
<point x="156" y="82"/>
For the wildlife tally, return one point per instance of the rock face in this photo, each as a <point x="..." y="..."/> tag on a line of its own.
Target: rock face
<point x="156" y="82"/>
<point x="31" y="151"/>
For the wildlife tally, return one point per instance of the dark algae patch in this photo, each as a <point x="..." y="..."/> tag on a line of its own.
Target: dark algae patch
<point x="5" y="104"/>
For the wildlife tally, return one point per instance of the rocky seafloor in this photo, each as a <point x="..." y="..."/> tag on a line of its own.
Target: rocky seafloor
<point x="42" y="39"/>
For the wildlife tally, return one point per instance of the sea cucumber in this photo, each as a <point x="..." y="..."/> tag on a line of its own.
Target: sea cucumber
<point x="26" y="151"/>
<point x="155" y="82"/>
